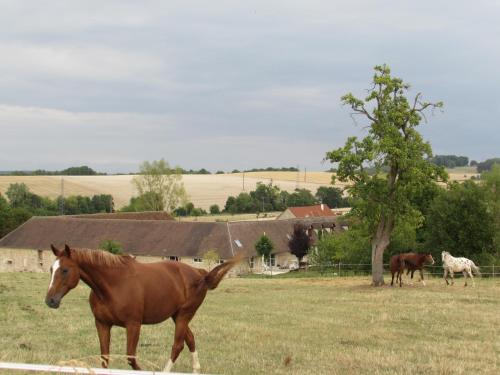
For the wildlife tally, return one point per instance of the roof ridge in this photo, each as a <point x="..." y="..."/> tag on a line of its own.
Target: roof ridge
<point x="18" y="228"/>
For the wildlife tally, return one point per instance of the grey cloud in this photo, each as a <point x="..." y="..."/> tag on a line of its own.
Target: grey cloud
<point x="242" y="76"/>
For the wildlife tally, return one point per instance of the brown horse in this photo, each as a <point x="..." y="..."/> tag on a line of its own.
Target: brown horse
<point x="127" y="293"/>
<point x="411" y="262"/>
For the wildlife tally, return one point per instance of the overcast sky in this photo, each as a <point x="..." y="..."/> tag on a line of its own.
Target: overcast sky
<point x="234" y="84"/>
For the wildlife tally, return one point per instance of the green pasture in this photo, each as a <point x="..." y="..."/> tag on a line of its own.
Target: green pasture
<point x="277" y="326"/>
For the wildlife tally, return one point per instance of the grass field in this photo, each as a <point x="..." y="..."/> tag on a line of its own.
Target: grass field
<point x="272" y="326"/>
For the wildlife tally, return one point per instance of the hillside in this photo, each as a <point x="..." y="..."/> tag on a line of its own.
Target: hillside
<point x="203" y="190"/>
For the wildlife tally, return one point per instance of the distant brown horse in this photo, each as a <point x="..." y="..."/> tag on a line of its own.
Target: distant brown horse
<point x="127" y="293"/>
<point x="411" y="262"/>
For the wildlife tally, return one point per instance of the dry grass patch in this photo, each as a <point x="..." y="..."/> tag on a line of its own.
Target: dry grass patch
<point x="288" y="326"/>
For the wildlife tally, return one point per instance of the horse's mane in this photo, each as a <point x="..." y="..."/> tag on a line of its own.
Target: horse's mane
<point x="99" y="258"/>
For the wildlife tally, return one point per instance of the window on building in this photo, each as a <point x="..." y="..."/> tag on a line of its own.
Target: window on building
<point x="198" y="260"/>
<point x="174" y="258"/>
<point x="271" y="260"/>
<point x="238" y="243"/>
<point x="220" y="261"/>
<point x="251" y="262"/>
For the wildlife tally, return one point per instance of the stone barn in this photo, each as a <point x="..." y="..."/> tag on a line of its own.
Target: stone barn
<point x="149" y="238"/>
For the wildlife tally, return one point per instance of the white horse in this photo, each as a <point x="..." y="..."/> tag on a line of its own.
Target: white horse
<point x="464" y="265"/>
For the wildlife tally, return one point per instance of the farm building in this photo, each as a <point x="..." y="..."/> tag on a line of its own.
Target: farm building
<point x="28" y="247"/>
<point x="318" y="210"/>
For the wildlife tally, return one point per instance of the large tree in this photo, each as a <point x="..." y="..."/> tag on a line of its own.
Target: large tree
<point x="395" y="150"/>
<point x="160" y="186"/>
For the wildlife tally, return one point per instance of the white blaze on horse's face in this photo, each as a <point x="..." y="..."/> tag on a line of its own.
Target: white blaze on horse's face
<point x="55" y="266"/>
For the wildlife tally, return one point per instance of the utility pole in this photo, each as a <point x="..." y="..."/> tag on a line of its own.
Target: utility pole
<point x="243" y="180"/>
<point x="298" y="178"/>
<point x="62" y="196"/>
<point x="305" y="174"/>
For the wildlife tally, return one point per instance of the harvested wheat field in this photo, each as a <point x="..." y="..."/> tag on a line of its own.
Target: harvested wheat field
<point x="277" y="326"/>
<point x="203" y="190"/>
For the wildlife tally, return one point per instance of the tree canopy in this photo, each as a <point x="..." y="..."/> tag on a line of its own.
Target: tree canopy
<point x="159" y="186"/>
<point x="300" y="241"/>
<point x="264" y="246"/>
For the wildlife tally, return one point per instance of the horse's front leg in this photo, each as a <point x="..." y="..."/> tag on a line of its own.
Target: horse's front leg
<point x="133" y="332"/>
<point x="104" y="333"/>
<point x="445" y="276"/>
<point x="452" y="275"/>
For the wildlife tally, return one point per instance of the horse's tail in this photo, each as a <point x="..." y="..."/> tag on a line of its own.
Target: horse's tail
<point x="213" y="278"/>
<point x="475" y="269"/>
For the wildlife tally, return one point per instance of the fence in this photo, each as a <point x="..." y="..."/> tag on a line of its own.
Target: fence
<point x="345" y="269"/>
<point x="74" y="370"/>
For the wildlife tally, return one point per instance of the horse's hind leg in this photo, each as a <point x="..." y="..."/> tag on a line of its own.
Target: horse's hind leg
<point x="104" y="333"/>
<point x="411" y="276"/>
<point x="192" y="348"/>
<point x="181" y="326"/>
<point x="392" y="281"/>
<point x="133" y="332"/>
<point x="422" y="277"/>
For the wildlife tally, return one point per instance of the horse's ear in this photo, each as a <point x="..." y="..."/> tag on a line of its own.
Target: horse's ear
<point x="67" y="250"/>
<point x="55" y="250"/>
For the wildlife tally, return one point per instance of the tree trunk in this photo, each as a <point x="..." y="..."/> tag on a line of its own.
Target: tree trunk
<point x="379" y="243"/>
<point x="378" y="248"/>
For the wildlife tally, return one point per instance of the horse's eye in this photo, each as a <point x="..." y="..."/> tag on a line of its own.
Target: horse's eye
<point x="65" y="271"/>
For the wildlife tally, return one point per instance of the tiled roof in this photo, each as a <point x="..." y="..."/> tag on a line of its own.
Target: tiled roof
<point x="319" y="210"/>
<point x="154" y="237"/>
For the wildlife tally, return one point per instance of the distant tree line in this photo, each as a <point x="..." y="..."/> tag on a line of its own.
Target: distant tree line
<point x="450" y="161"/>
<point x="20" y="204"/>
<point x="71" y="171"/>
<point x="487" y="165"/>
<point x="273" y="169"/>
<point x="268" y="169"/>
<point x="199" y="171"/>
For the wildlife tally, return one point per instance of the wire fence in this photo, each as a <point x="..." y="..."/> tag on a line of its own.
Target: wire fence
<point x="346" y="269"/>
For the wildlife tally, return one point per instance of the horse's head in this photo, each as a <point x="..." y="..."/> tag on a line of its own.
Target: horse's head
<point x="444" y="254"/>
<point x="429" y="259"/>
<point x="65" y="275"/>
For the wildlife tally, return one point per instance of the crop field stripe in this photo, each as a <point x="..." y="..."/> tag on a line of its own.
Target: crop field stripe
<point x="76" y="370"/>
